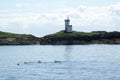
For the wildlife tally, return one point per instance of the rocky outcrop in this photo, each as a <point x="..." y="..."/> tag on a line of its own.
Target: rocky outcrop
<point x="21" y="41"/>
<point x="96" y="37"/>
<point x="18" y="39"/>
<point x="61" y="38"/>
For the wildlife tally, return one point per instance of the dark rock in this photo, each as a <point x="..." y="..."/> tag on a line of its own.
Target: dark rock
<point x="18" y="64"/>
<point x="39" y="61"/>
<point x="57" y="61"/>
<point x="25" y="62"/>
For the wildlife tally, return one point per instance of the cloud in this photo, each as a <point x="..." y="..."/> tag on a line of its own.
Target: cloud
<point x="83" y="18"/>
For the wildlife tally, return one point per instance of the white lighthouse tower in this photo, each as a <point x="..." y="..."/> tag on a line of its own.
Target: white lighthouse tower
<point x="68" y="27"/>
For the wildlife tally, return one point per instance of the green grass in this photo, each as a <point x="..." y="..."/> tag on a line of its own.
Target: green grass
<point x="12" y="35"/>
<point x="73" y="34"/>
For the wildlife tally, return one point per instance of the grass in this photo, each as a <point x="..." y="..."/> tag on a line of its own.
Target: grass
<point x="73" y="34"/>
<point x="12" y="35"/>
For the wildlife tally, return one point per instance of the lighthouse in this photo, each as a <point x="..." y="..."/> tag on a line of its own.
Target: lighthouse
<point x="68" y="27"/>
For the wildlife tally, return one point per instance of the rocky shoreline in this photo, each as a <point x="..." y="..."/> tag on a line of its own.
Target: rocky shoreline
<point x="18" y="39"/>
<point x="62" y="38"/>
<point x="76" y="38"/>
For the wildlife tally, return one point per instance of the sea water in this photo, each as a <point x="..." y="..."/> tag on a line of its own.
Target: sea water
<point x="65" y="62"/>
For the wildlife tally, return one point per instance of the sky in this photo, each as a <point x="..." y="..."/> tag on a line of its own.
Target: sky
<point x="42" y="17"/>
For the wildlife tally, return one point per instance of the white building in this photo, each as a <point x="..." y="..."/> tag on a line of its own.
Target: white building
<point x="68" y="27"/>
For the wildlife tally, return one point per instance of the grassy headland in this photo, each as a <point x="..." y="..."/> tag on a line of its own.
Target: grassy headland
<point x="61" y="38"/>
<point x="7" y="38"/>
<point x="95" y="37"/>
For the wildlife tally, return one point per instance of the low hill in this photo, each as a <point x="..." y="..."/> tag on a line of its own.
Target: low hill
<point x="95" y="37"/>
<point x="61" y="38"/>
<point x="7" y="38"/>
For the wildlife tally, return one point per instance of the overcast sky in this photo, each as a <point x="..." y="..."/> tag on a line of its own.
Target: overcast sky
<point x="41" y="17"/>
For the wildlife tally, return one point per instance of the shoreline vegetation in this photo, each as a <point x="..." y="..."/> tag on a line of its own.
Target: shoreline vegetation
<point x="61" y="38"/>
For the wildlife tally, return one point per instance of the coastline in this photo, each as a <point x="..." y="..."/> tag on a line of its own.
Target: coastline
<point x="62" y="38"/>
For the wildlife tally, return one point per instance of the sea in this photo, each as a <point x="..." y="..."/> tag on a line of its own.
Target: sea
<point x="60" y="62"/>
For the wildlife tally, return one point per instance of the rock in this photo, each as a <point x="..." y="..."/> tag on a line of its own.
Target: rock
<point x="57" y="61"/>
<point x="39" y="61"/>
<point x="25" y="62"/>
<point x="18" y="64"/>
